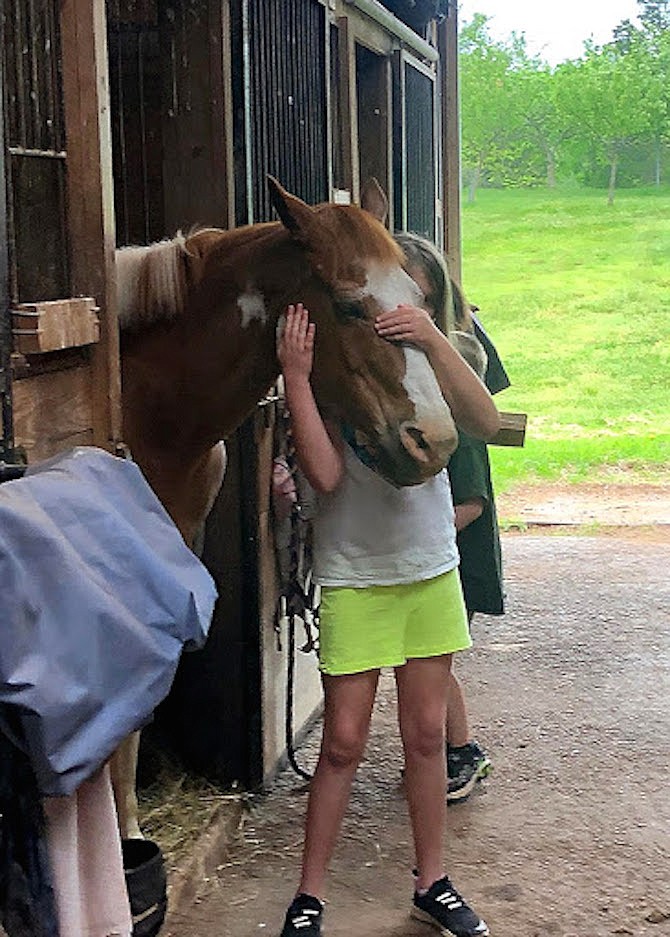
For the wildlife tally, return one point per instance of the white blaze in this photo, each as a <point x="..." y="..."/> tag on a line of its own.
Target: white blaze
<point x="252" y="306"/>
<point x="423" y="389"/>
<point x="391" y="288"/>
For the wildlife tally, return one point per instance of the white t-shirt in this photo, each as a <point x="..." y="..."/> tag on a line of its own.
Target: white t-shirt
<point x="368" y="533"/>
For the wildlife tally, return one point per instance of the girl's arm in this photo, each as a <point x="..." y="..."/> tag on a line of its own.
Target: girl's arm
<point x="318" y="449"/>
<point x="467" y="512"/>
<point x="471" y="405"/>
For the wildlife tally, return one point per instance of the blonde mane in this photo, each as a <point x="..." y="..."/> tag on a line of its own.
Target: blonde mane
<point x="151" y="282"/>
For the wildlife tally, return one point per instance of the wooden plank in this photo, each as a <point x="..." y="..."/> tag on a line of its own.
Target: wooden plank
<point x="91" y="198"/>
<point x="447" y="33"/>
<point x="198" y="176"/>
<point x="53" y="412"/>
<point x="133" y="12"/>
<point x="348" y="110"/>
<point x="221" y="71"/>
<point x="54" y="325"/>
<point x="373" y="81"/>
<point x="512" y="430"/>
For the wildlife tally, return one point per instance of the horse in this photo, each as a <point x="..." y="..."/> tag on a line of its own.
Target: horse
<point x="199" y="316"/>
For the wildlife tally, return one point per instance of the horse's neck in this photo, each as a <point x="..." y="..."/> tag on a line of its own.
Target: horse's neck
<point x="184" y="391"/>
<point x="192" y="381"/>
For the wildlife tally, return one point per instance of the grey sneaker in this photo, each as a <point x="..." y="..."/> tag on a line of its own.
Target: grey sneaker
<point x="443" y="908"/>
<point x="466" y="766"/>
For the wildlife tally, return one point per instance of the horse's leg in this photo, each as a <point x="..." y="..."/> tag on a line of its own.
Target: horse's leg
<point x="198" y="489"/>
<point x="123" y="766"/>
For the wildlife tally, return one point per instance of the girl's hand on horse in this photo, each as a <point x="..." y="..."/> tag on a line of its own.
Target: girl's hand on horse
<point x="295" y="348"/>
<point x="408" y="324"/>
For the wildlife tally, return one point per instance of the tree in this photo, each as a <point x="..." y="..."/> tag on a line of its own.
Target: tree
<point x="610" y="99"/>
<point x="606" y="109"/>
<point x="489" y="112"/>
<point x="651" y="40"/>
<point x="541" y="116"/>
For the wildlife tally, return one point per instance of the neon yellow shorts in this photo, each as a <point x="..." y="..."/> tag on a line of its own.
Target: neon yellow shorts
<point x="385" y="626"/>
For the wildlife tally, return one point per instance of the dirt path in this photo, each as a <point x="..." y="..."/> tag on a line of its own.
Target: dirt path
<point x="599" y="506"/>
<point x="569" y="693"/>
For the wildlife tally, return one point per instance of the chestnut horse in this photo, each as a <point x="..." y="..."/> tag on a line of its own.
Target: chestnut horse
<point x="199" y="317"/>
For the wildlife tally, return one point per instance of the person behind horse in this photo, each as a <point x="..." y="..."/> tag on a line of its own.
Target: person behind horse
<point x="386" y="560"/>
<point x="477" y="537"/>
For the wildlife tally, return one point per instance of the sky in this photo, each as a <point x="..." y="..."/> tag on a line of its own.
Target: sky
<point x="555" y="29"/>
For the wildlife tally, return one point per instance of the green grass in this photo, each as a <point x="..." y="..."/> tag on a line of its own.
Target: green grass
<point x="576" y="295"/>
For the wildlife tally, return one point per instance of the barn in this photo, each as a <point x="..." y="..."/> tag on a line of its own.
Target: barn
<point x="125" y="121"/>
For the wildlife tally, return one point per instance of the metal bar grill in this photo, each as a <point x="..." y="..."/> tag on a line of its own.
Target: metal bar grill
<point x="33" y="75"/>
<point x="35" y="149"/>
<point x="286" y="98"/>
<point x="420" y="166"/>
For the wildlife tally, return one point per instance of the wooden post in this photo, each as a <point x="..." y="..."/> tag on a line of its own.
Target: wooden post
<point x="451" y="141"/>
<point x="348" y="107"/>
<point x="222" y="70"/>
<point x="91" y="224"/>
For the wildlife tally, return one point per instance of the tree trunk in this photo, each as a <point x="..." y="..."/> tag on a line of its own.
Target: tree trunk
<point x="612" y="185"/>
<point x="474" y="182"/>
<point x="551" y="169"/>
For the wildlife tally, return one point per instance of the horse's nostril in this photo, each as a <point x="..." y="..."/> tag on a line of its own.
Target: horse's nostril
<point x="415" y="442"/>
<point x="418" y="437"/>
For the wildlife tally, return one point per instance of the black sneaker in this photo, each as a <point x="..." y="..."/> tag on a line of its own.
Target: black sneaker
<point x="466" y="766"/>
<point x="303" y="917"/>
<point x="443" y="908"/>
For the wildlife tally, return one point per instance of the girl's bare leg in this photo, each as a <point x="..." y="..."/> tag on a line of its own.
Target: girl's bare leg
<point x="348" y="702"/>
<point x="422" y="705"/>
<point x="458" y="728"/>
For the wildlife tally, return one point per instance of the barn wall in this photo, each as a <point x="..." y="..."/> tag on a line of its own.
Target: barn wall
<point x="53" y="411"/>
<point x="59" y="224"/>
<point x="195" y="127"/>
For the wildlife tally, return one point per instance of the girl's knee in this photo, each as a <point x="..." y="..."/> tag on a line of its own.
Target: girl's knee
<point x="424" y="739"/>
<point x="343" y="748"/>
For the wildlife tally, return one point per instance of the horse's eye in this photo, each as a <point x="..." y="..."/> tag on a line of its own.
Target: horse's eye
<point x="350" y="309"/>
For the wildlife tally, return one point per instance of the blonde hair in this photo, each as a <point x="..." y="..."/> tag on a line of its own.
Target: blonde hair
<point x="424" y="255"/>
<point x="451" y="311"/>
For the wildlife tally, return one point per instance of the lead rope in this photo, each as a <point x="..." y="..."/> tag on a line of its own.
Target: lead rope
<point x="299" y="594"/>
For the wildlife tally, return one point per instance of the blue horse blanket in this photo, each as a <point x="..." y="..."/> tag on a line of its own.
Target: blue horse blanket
<point x="99" y="594"/>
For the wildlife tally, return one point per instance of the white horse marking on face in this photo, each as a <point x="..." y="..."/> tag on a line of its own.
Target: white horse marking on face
<point x="252" y="306"/>
<point x="391" y="287"/>
<point x="423" y="389"/>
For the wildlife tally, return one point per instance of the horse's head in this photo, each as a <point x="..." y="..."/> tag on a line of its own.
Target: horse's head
<point x="385" y="394"/>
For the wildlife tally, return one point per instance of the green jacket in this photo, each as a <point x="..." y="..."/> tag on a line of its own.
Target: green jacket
<point x="479" y="542"/>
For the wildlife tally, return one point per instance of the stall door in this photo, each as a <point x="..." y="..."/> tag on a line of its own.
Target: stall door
<point x="416" y="201"/>
<point x="280" y="102"/>
<point x="53" y="233"/>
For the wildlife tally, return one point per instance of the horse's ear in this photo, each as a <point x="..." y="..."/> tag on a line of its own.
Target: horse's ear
<point x="374" y="200"/>
<point x="294" y="214"/>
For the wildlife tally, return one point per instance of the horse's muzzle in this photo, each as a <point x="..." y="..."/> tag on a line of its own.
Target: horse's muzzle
<point x="430" y="452"/>
<point x="411" y="456"/>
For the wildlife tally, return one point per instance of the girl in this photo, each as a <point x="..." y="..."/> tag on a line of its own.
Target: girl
<point x="386" y="560"/>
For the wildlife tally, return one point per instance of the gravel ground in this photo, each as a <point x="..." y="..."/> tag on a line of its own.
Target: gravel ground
<point x="569" y="694"/>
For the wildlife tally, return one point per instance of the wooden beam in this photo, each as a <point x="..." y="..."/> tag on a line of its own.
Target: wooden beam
<point x="54" y="325"/>
<point x="346" y="47"/>
<point x="451" y="141"/>
<point x="512" y="430"/>
<point x="222" y="78"/>
<point x="91" y="223"/>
